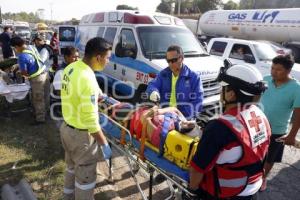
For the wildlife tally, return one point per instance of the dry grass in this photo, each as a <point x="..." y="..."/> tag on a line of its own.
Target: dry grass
<point x="33" y="153"/>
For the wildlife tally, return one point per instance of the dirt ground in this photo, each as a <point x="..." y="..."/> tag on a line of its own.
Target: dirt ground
<point x="35" y="153"/>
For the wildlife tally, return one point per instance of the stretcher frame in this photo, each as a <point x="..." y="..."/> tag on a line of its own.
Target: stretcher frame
<point x="132" y="154"/>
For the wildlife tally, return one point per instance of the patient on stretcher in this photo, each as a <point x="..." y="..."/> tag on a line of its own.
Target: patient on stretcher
<point x="156" y="122"/>
<point x="153" y="121"/>
<point x="163" y="130"/>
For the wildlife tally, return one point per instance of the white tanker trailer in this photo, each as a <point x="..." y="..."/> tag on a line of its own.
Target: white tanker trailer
<point x="278" y="25"/>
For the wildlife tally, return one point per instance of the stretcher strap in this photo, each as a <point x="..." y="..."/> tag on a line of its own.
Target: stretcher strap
<point x="123" y="133"/>
<point x="165" y="130"/>
<point x="142" y="141"/>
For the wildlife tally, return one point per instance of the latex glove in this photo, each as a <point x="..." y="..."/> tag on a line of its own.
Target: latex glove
<point x="155" y="97"/>
<point x="106" y="150"/>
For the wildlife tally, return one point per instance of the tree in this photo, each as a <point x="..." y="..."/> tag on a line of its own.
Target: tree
<point x="251" y="4"/>
<point x="22" y="16"/>
<point x="164" y="7"/>
<point x="125" y="7"/>
<point x="186" y="7"/>
<point x="206" y="5"/>
<point x="246" y="4"/>
<point x="230" y="5"/>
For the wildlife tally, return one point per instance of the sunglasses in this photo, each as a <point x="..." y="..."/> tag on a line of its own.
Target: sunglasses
<point x="172" y="60"/>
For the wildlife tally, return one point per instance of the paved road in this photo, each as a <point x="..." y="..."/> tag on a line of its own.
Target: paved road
<point x="283" y="182"/>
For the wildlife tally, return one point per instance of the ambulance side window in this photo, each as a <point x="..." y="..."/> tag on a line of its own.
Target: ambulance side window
<point x="100" y="31"/>
<point x="126" y="46"/>
<point x="110" y="34"/>
<point x="128" y="40"/>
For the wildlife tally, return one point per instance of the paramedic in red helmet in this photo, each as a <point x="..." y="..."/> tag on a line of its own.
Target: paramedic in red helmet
<point x="228" y="163"/>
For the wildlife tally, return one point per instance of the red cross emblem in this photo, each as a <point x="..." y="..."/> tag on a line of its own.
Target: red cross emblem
<point x="254" y="121"/>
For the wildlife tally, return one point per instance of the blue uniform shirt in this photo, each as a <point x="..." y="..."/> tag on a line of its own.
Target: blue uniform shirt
<point x="189" y="90"/>
<point x="278" y="104"/>
<point x="27" y="63"/>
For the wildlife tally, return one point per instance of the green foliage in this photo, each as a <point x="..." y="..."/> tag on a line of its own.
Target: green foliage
<point x="206" y="5"/>
<point x="247" y="4"/>
<point x="230" y="5"/>
<point x="22" y="16"/>
<point x="186" y="6"/>
<point x="164" y="7"/>
<point x="250" y="4"/>
<point x="125" y="7"/>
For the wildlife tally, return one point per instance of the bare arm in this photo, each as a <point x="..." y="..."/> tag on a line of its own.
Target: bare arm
<point x="195" y="179"/>
<point x="291" y="137"/>
<point x="99" y="137"/>
<point x="24" y="73"/>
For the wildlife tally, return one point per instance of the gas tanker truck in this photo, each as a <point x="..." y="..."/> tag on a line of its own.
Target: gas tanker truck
<point x="278" y="25"/>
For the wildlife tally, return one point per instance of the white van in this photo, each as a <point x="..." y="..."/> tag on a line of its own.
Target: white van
<point x="140" y="42"/>
<point x="256" y="53"/>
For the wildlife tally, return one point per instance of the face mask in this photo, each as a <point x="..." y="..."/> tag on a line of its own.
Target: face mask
<point x="97" y="66"/>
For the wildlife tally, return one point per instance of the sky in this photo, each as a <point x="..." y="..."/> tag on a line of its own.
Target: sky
<point x="68" y="9"/>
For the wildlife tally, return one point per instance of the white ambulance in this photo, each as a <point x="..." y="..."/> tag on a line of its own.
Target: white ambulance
<point x="140" y="42"/>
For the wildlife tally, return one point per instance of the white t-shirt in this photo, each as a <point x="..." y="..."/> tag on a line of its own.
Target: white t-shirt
<point x="57" y="80"/>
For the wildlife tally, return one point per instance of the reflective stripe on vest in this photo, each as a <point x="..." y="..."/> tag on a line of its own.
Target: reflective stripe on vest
<point x="37" y="58"/>
<point x="51" y="69"/>
<point x="236" y="124"/>
<point x="231" y="179"/>
<point x="238" y="182"/>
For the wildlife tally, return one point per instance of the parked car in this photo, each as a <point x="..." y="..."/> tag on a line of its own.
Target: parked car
<point x="258" y="54"/>
<point x="280" y="50"/>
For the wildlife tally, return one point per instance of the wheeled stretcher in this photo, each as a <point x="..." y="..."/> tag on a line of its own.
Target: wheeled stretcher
<point x="173" y="164"/>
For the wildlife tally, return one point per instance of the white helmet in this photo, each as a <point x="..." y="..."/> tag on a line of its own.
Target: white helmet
<point x="244" y="77"/>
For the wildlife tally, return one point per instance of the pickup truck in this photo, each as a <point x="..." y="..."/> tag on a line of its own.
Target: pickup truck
<point x="255" y="53"/>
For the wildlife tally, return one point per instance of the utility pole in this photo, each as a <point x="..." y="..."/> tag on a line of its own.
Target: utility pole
<point x="179" y="6"/>
<point x="254" y="4"/>
<point x="173" y="4"/>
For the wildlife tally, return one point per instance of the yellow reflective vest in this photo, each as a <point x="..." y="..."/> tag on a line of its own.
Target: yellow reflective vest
<point x="79" y="97"/>
<point x="41" y="67"/>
